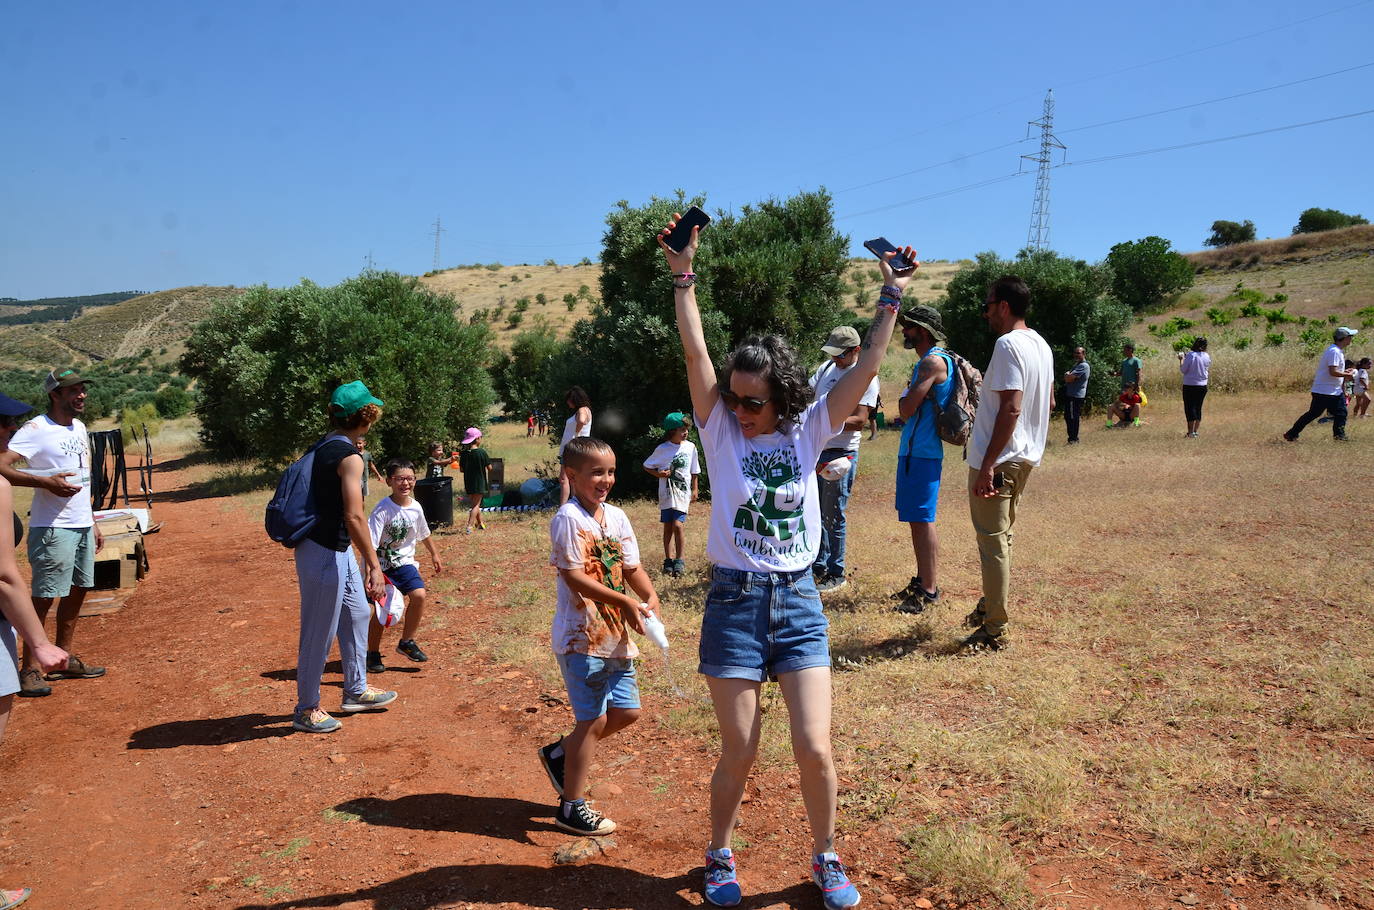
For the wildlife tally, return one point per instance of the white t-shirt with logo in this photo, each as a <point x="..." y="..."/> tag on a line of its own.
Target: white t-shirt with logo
<point x="1322" y="384"/>
<point x="675" y="491"/>
<point x="579" y="543"/>
<point x="823" y="380"/>
<point x="50" y="448"/>
<point x="396" y="529"/>
<point x="765" y="509"/>
<point x="1020" y="360"/>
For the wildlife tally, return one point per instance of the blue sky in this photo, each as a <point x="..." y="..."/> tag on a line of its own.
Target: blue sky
<point x="155" y="145"/>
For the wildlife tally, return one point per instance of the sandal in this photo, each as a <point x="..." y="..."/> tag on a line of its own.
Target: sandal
<point x="14" y="897"/>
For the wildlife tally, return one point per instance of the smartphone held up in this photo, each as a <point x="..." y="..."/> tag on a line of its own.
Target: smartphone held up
<point x="681" y="234"/>
<point x="880" y="247"/>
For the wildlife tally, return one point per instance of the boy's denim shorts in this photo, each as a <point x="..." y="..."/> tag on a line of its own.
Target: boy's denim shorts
<point x="406" y="578"/>
<point x="761" y="624"/>
<point x="597" y="683"/>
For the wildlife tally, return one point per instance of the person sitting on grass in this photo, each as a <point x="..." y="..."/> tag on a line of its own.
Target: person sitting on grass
<point x="594" y="549"/>
<point x="397" y="524"/>
<point x="474" y="462"/>
<point x="1125" y="411"/>
<point x="762" y="434"/>
<point x="675" y="465"/>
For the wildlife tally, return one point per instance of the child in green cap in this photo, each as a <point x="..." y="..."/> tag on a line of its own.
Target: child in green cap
<point x="675" y="465"/>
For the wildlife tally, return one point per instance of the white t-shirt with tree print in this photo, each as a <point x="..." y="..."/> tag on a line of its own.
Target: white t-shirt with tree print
<point x="675" y="490"/>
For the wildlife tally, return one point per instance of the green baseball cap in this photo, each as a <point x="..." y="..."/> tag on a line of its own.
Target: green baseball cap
<point x="353" y="397"/>
<point x="674" y="421"/>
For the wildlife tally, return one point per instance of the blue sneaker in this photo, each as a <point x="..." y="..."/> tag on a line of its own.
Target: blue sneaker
<point x="722" y="888"/>
<point x="836" y="888"/>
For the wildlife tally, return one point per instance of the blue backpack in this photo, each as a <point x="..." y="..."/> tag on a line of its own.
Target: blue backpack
<point x="291" y="514"/>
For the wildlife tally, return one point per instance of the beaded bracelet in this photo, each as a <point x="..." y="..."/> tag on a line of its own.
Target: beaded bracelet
<point x="687" y="279"/>
<point x="889" y="303"/>
<point x="890" y="291"/>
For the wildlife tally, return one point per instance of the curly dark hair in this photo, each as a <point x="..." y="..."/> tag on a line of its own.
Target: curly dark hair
<point x="367" y="414"/>
<point x="771" y="357"/>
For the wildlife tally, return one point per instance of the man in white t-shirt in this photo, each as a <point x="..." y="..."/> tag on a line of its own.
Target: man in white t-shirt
<point x="839" y="460"/>
<point x="1327" y="392"/>
<point x="63" y="539"/>
<point x="1008" y="441"/>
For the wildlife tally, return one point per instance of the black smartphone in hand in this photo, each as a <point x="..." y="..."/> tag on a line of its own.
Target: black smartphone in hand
<point x="681" y="235"/>
<point x="880" y="247"/>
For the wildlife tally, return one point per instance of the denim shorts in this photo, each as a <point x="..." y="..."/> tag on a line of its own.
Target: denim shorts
<point x="61" y="559"/>
<point x="406" y="578"/>
<point x="597" y="683"/>
<point x="668" y="516"/>
<point x="761" y="624"/>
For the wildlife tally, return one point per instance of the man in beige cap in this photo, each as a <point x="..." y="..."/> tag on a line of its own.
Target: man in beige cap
<point x="839" y="460"/>
<point x="63" y="539"/>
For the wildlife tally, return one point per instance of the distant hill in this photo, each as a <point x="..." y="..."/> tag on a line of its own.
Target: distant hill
<point x="495" y="290"/>
<point x="55" y="309"/>
<point x="157" y="321"/>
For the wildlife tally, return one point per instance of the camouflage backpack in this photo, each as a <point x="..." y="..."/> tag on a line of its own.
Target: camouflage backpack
<point x="954" y="422"/>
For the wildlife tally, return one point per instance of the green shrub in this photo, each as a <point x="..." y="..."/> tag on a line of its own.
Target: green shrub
<point x="1171" y="326"/>
<point x="522" y="304"/>
<point x="1228" y="233"/>
<point x="493" y="267"/>
<point x="1273" y="339"/>
<point x="1241" y="343"/>
<point x="515" y="318"/>
<point x="520" y="377"/>
<point x="267" y="361"/>
<point x="1333" y="319"/>
<point x="1220" y="316"/>
<point x="1251" y="309"/>
<point x="1278" y="317"/>
<point x="1367" y="312"/>
<point x="541" y="298"/>
<point x="584" y="261"/>
<point x="173" y="402"/>
<point x="1313" y="340"/>
<point x="1249" y="295"/>
<point x="1314" y="220"/>
<point x="134" y="421"/>
<point x="1146" y="273"/>
<point x="1184" y="343"/>
<point x="1280" y="298"/>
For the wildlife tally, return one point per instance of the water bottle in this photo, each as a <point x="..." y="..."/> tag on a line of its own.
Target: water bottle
<point x="654" y="631"/>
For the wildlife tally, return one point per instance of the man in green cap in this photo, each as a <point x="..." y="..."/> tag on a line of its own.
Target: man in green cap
<point x="63" y="539"/>
<point x="676" y="466"/>
<point x="921" y="454"/>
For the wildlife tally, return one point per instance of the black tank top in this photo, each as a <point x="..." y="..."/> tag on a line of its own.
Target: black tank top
<point x="329" y="530"/>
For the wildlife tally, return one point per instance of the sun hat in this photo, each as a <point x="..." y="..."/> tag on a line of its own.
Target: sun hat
<point x="674" y="421"/>
<point x="842" y="339"/>
<point x="9" y="407"/>
<point x="1346" y="332"/>
<point x="353" y="397"/>
<point x="927" y="317"/>
<point x="61" y="379"/>
<point x="390" y="608"/>
<point x="472" y="435"/>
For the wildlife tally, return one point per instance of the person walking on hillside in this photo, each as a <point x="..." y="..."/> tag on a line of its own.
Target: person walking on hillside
<point x="1328" y="393"/>
<point x="1008" y="441"/>
<point x="839" y="460"/>
<point x="579" y="423"/>
<point x="63" y="538"/>
<point x="1075" y="391"/>
<point x="334" y="596"/>
<point x="920" y="452"/>
<point x="1195" y="365"/>
<point x="1129" y="371"/>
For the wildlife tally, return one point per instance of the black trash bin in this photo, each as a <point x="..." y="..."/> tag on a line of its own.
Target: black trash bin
<point x="435" y="496"/>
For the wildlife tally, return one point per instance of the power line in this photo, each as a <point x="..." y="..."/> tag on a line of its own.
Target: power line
<point x="1212" y="47"/>
<point x="1189" y="145"/>
<point x="931" y="167"/>
<point x="1038" y="236"/>
<point x="929" y="196"/>
<point x="1184" y="107"/>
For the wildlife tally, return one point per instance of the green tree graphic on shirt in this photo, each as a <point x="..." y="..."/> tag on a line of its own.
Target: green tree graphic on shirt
<point x="765" y="513"/>
<point x="677" y="473"/>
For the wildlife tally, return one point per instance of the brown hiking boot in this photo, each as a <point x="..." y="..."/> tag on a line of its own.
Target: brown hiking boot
<point x="983" y="640"/>
<point x="31" y="684"/>
<point x="975" y="619"/>
<point x="76" y="669"/>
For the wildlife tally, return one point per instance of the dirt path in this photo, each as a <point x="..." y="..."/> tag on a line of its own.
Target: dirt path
<point x="176" y="781"/>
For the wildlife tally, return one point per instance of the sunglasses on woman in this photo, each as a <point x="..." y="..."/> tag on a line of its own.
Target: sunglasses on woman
<point x="735" y="402"/>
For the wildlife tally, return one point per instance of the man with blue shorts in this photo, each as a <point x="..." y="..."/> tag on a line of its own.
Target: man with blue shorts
<point x="920" y="454"/>
<point x="63" y="539"/>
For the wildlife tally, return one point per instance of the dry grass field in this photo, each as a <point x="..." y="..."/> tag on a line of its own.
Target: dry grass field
<point x="1188" y="704"/>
